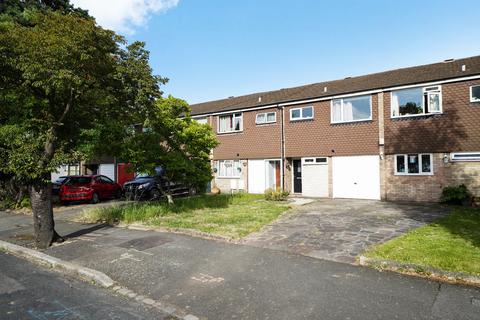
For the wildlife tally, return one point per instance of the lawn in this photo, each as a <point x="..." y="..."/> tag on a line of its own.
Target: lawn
<point x="451" y="244"/>
<point x="232" y="216"/>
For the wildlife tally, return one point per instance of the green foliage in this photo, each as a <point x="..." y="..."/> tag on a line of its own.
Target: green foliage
<point x="174" y="141"/>
<point x="276" y="194"/>
<point x="233" y="216"/>
<point x="455" y="195"/>
<point x="451" y="243"/>
<point x="67" y="87"/>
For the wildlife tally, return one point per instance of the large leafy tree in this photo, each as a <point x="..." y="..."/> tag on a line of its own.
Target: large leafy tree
<point x="175" y="141"/>
<point x="65" y="80"/>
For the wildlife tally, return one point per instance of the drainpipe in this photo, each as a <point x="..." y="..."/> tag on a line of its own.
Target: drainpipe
<point x="282" y="160"/>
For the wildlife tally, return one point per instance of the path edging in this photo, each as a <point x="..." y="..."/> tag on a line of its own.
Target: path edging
<point x="91" y="275"/>
<point x="420" y="271"/>
<point x="85" y="273"/>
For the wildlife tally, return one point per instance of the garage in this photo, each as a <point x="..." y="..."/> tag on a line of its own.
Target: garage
<point x="315" y="181"/>
<point x="107" y="170"/>
<point x="356" y="177"/>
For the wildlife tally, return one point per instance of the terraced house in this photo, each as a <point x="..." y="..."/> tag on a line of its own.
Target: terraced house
<point x="398" y="135"/>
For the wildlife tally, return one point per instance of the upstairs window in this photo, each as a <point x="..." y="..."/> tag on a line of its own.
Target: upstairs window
<point x="230" y="123"/>
<point x="475" y="93"/>
<point x="202" y="120"/>
<point x="301" y="113"/>
<point x="416" y="101"/>
<point x="269" y="117"/>
<point x="351" y="109"/>
<point x="413" y="164"/>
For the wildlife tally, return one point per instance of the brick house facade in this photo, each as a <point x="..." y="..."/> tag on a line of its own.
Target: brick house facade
<point x="361" y="137"/>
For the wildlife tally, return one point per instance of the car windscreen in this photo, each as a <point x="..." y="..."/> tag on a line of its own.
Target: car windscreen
<point x="61" y="180"/>
<point x="79" y="180"/>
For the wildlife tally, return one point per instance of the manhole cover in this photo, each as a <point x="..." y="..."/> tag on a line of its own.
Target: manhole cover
<point x="145" y="243"/>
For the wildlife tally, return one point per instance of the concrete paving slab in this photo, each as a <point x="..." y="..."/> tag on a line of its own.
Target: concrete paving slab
<point x="341" y="229"/>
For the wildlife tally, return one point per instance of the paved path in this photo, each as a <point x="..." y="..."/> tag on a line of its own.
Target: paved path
<point x="341" y="229"/>
<point x="28" y="291"/>
<point x="219" y="280"/>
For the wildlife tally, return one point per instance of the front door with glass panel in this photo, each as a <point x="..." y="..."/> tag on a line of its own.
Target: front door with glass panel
<point x="273" y="174"/>
<point x="297" y="176"/>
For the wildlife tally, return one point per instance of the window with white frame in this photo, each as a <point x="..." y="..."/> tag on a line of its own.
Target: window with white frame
<point x="301" y="113"/>
<point x="228" y="168"/>
<point x="230" y="123"/>
<point x="351" y="109"/>
<point x="413" y="164"/>
<point x="465" y="156"/>
<point x="322" y="160"/>
<point x="201" y="120"/>
<point x="416" y="101"/>
<point x="475" y="93"/>
<point x="268" y="117"/>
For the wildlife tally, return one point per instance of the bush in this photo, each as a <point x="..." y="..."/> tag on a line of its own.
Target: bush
<point x="455" y="195"/>
<point x="276" y="194"/>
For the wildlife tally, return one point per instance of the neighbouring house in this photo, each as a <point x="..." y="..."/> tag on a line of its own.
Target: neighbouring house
<point x="398" y="135"/>
<point x="116" y="170"/>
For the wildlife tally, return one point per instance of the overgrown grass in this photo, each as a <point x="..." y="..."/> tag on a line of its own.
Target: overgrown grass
<point x="233" y="216"/>
<point x="451" y="244"/>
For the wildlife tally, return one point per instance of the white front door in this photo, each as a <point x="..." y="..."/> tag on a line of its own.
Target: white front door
<point x="256" y="176"/>
<point x="356" y="177"/>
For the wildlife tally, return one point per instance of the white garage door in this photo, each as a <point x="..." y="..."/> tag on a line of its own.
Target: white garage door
<point x="356" y="177"/>
<point x="256" y="176"/>
<point x="107" y="170"/>
<point x="315" y="179"/>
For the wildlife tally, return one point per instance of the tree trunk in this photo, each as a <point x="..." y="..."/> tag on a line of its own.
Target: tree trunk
<point x="44" y="226"/>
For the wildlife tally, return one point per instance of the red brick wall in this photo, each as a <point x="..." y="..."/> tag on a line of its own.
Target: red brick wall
<point x="254" y="142"/>
<point x="318" y="137"/>
<point x="429" y="187"/>
<point x="457" y="129"/>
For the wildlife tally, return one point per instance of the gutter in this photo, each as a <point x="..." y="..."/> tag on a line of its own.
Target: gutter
<point x="339" y="95"/>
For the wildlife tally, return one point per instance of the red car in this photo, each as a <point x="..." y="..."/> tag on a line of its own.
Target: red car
<point x="89" y="188"/>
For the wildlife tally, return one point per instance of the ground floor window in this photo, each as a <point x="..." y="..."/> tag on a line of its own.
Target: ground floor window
<point x="413" y="164"/>
<point x="228" y="168"/>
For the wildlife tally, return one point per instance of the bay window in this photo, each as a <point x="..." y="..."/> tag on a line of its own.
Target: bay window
<point x="413" y="164"/>
<point x="416" y="101"/>
<point x="230" y="123"/>
<point x="351" y="109"/>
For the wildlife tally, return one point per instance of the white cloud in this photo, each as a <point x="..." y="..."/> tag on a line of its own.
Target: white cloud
<point x="124" y="15"/>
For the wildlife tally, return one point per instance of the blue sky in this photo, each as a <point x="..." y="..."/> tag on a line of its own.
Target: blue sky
<point x="213" y="49"/>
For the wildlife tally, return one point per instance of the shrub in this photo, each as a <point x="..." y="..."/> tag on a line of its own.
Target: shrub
<point x="455" y="195"/>
<point x="276" y="194"/>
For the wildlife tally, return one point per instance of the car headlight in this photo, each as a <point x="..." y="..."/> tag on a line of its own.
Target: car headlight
<point x="142" y="186"/>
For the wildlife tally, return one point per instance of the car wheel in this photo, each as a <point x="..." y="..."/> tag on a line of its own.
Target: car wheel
<point x="95" y="198"/>
<point x="155" y="194"/>
<point x="192" y="191"/>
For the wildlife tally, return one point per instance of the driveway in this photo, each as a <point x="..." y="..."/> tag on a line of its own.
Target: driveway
<point x="341" y="229"/>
